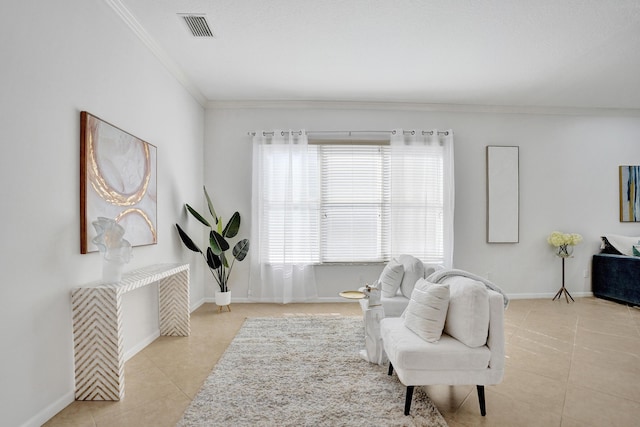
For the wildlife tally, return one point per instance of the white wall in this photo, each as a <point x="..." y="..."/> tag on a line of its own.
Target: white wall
<point x="568" y="182"/>
<point x="59" y="58"/>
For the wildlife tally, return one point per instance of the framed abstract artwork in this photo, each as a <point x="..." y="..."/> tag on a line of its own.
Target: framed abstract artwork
<point x="629" y="193"/>
<point x="503" y="194"/>
<point x="117" y="181"/>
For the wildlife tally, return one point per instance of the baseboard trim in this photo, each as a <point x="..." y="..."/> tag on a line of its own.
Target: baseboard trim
<point x="141" y="345"/>
<point x="547" y="295"/>
<point x="197" y="305"/>
<point x="334" y="299"/>
<point x="50" y="411"/>
<point x="153" y="336"/>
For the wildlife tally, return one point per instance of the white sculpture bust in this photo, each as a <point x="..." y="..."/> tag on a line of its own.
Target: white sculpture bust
<point x="374" y="351"/>
<point x="115" y="250"/>
<point x="373" y="293"/>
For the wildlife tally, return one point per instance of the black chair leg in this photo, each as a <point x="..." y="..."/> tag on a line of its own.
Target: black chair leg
<point x="407" y="402"/>
<point x="483" y="408"/>
<point x="390" y="369"/>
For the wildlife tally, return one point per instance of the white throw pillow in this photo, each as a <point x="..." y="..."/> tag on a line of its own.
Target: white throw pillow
<point x="413" y="270"/>
<point x="427" y="310"/>
<point x="624" y="244"/>
<point x="391" y="278"/>
<point x="468" y="314"/>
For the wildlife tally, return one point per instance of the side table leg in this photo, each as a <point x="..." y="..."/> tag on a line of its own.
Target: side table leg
<point x="97" y="344"/>
<point x="374" y="348"/>
<point x="173" y="298"/>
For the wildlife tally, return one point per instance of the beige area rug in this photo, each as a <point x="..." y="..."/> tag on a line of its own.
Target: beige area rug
<point x="303" y="371"/>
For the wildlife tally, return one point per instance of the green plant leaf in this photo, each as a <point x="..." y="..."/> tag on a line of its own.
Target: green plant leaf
<point x="241" y="249"/>
<point x="224" y="261"/>
<point x="197" y="215"/>
<point x="213" y="260"/>
<point x="232" y="226"/>
<point x="211" y="209"/>
<point x="187" y="240"/>
<point x="217" y="243"/>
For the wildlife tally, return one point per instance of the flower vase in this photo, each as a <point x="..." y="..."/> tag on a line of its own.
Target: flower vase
<point x="223" y="299"/>
<point x="564" y="251"/>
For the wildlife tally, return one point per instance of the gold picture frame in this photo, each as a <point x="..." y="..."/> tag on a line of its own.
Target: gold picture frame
<point x="629" y="177"/>
<point x="118" y="181"/>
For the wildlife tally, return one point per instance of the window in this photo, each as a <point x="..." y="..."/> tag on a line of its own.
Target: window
<point x="351" y="202"/>
<point x="354" y="203"/>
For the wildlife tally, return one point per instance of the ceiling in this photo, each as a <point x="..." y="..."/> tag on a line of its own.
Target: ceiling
<point x="526" y="53"/>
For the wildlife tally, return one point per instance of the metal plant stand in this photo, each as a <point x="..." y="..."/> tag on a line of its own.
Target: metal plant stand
<point x="563" y="290"/>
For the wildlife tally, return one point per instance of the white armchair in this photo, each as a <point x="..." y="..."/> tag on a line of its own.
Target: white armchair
<point x="470" y="349"/>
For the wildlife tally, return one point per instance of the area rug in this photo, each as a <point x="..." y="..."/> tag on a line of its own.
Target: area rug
<point x="303" y="371"/>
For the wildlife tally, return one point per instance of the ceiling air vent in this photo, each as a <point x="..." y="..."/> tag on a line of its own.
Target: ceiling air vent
<point x="198" y="25"/>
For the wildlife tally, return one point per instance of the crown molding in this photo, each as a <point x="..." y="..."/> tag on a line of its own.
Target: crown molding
<point x="130" y="20"/>
<point x="418" y="106"/>
<point x="164" y="58"/>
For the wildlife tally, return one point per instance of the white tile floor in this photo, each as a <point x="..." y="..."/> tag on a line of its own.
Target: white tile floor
<point x="568" y="365"/>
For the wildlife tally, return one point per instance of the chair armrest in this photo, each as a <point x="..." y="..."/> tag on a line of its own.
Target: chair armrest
<point x="495" y="340"/>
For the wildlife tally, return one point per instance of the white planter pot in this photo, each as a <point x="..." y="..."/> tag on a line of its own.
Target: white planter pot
<point x="223" y="298"/>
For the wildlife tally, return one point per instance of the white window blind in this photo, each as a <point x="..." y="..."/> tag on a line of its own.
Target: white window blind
<point x="355" y="202"/>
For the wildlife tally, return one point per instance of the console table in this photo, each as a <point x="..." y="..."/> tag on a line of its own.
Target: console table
<point x="97" y="325"/>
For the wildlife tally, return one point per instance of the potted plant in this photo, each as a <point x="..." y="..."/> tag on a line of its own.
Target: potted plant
<point x="215" y="255"/>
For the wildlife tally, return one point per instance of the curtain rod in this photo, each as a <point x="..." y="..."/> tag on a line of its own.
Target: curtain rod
<point x="349" y="132"/>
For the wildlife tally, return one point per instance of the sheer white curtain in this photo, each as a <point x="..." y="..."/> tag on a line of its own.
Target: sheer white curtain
<point x="421" y="212"/>
<point x="285" y="220"/>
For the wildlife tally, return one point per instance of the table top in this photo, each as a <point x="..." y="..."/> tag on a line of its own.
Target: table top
<point x="352" y="294"/>
<point x="139" y="277"/>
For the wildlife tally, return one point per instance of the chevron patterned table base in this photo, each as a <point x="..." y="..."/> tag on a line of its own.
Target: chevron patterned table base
<point x="97" y="325"/>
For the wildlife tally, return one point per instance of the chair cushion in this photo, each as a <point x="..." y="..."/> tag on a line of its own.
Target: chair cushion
<point x="427" y="310"/>
<point x="468" y="313"/>
<point x="408" y="351"/>
<point x="413" y="270"/>
<point x="391" y="278"/>
<point x="394" y="306"/>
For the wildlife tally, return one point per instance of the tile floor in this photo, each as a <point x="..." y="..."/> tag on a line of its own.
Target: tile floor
<point x="568" y="365"/>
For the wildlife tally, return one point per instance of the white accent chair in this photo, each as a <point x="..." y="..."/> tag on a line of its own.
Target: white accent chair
<point x="449" y="361"/>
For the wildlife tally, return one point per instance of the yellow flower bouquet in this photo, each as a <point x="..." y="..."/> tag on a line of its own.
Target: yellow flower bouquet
<point x="564" y="242"/>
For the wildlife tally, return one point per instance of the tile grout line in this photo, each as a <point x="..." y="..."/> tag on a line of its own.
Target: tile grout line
<point x="573" y="354"/>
